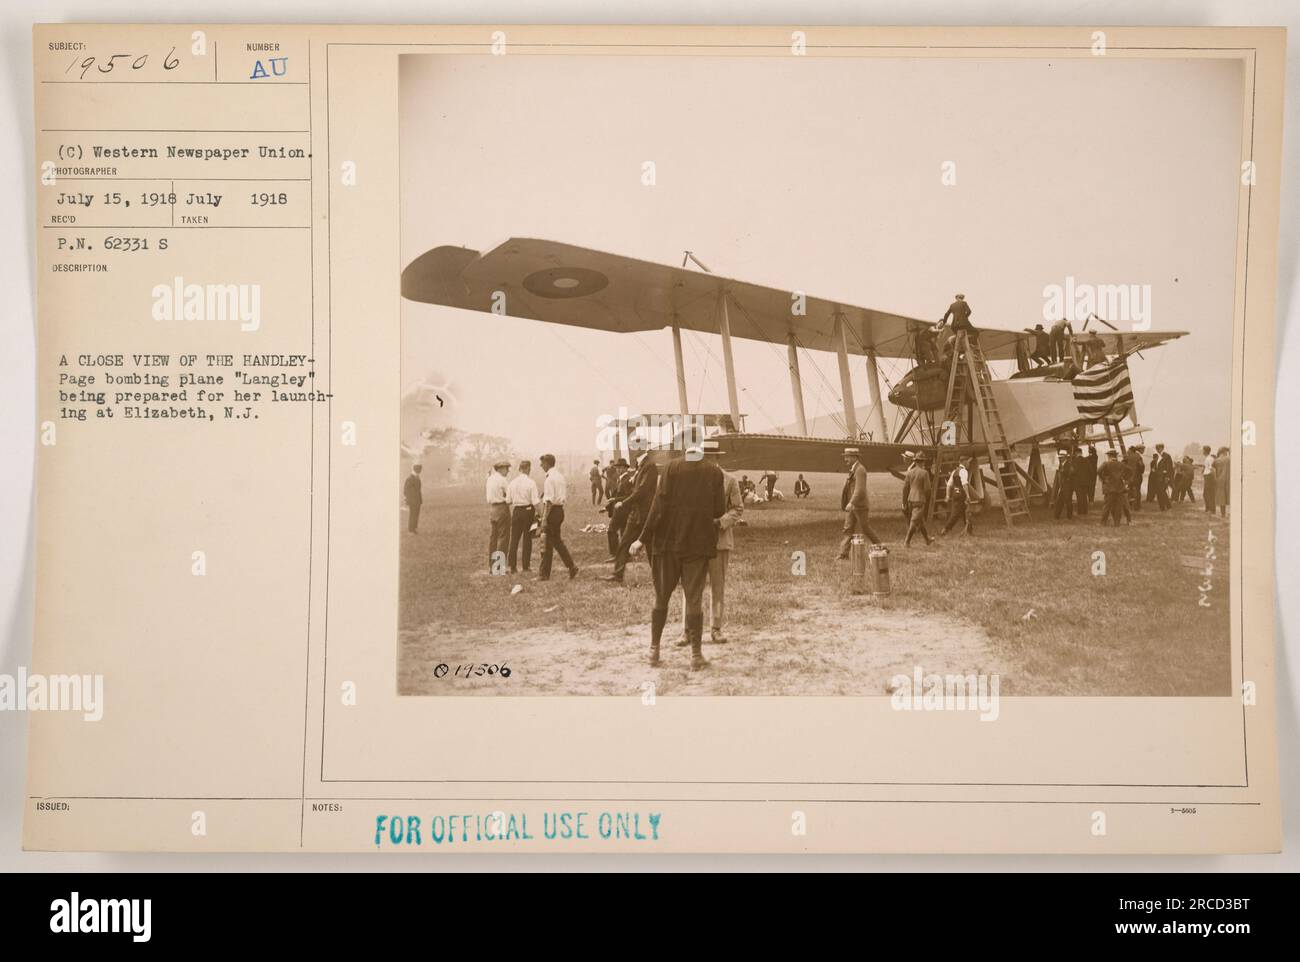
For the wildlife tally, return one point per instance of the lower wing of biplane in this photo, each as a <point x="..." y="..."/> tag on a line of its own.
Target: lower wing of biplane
<point x="562" y="284"/>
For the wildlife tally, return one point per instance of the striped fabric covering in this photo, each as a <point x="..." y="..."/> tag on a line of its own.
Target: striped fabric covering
<point x="1104" y="391"/>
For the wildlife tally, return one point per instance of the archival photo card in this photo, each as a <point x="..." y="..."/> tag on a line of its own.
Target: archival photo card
<point x="631" y="439"/>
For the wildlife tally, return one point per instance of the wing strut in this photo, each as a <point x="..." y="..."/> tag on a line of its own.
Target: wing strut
<point x="846" y="382"/>
<point x="681" y="369"/>
<point x="873" y="385"/>
<point x="724" y="328"/>
<point x="796" y="385"/>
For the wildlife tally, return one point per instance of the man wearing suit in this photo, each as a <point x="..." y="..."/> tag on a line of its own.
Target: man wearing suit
<point x="597" y="480"/>
<point x="1222" y="473"/>
<point x="613" y="471"/>
<point x="413" y="492"/>
<point x="1136" y="468"/>
<point x="1042" y="353"/>
<point x="917" y="485"/>
<point x="632" y="511"/>
<point x="856" y="508"/>
<point x="1088" y="480"/>
<point x="1165" y="466"/>
<point x="717" y="575"/>
<point x="1063" y="486"/>
<point x="960" y="313"/>
<point x="682" y="531"/>
<point x="618" y="485"/>
<point x="1114" y="481"/>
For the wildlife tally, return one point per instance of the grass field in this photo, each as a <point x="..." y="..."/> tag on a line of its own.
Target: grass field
<point x="1023" y="603"/>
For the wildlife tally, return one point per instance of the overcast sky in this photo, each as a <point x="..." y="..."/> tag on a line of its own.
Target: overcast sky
<point x="822" y="175"/>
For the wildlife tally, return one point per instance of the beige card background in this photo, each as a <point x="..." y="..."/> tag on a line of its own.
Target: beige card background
<point x="223" y="692"/>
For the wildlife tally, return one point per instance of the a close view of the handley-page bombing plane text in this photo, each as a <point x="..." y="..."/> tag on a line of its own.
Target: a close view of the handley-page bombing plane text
<point x="655" y="439"/>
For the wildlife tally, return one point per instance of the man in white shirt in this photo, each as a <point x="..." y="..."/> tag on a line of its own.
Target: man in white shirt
<point x="498" y="502"/>
<point x="555" y="492"/>
<point x="958" y="492"/>
<point x="523" y="496"/>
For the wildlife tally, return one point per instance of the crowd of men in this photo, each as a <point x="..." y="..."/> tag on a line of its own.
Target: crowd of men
<point x="1074" y="488"/>
<point x="682" y="516"/>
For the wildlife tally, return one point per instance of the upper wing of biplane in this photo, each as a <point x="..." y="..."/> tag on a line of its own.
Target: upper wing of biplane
<point x="559" y="283"/>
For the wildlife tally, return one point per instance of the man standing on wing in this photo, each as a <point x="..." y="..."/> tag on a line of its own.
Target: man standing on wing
<point x="1062" y="330"/>
<point x="959" y="311"/>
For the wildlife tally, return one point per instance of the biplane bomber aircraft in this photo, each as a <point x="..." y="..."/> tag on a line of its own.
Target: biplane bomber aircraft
<point x="949" y="401"/>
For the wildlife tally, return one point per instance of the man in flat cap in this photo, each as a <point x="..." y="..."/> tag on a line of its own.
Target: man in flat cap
<point x="1114" y="488"/>
<point x="498" y="502"/>
<point x="917" y="488"/>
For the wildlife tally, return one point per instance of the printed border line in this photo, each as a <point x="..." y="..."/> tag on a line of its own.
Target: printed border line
<point x="311" y="428"/>
<point x="642" y="801"/>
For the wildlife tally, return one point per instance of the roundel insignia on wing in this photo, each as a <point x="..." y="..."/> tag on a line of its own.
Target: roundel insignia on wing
<point x="562" y="282"/>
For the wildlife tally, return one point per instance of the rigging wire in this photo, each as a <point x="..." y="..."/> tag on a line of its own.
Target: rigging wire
<point x="835" y="419"/>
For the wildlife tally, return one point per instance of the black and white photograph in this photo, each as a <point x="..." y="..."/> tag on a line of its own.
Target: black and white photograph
<point x="777" y="376"/>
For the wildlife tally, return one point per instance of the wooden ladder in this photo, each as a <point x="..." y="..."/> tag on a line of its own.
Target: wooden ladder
<point x="1001" y="460"/>
<point x="946" y="458"/>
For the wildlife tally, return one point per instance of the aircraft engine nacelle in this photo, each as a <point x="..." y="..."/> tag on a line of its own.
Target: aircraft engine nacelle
<point x="923" y="388"/>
